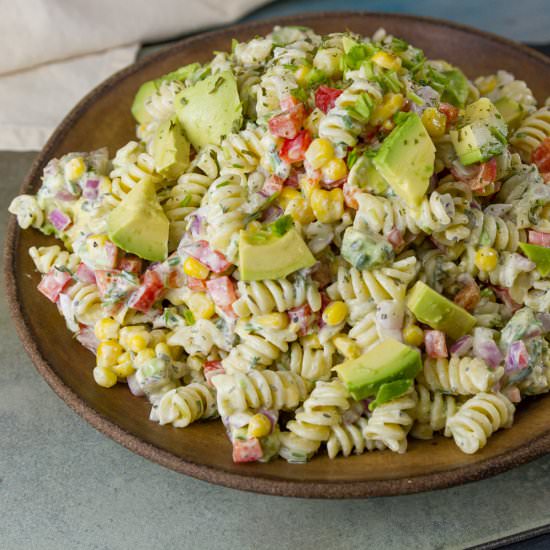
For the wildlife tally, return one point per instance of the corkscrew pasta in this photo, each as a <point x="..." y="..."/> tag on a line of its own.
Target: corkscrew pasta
<point x="292" y="209"/>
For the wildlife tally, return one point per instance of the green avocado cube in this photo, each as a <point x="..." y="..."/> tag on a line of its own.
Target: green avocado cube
<point x="438" y="312"/>
<point x="406" y="160"/>
<point x="482" y="134"/>
<point x="511" y="110"/>
<point x="273" y="258"/>
<point x="386" y="362"/>
<point x="139" y="225"/>
<point x="390" y="391"/>
<point x="366" y="250"/>
<point x="170" y="149"/>
<point x="210" y="109"/>
<point x="538" y="254"/>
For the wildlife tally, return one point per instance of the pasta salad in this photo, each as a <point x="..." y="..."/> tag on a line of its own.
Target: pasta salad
<point x="327" y="242"/>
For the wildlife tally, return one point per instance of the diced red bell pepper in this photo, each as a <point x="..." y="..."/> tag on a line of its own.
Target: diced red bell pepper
<point x="148" y="292"/>
<point x="325" y="97"/>
<point x="294" y="150"/>
<point x="212" y="259"/>
<point x="540" y="238"/>
<point x="211" y="369"/>
<point x="247" y="450"/>
<point x="272" y="186"/>
<point x="293" y="180"/>
<point x="196" y="285"/>
<point x="435" y="343"/>
<point x="53" y="283"/>
<point x="304" y="317"/>
<point x="450" y="111"/>
<point x="222" y="291"/>
<point x="541" y="156"/>
<point x="85" y="274"/>
<point x="288" y="102"/>
<point x="288" y="123"/>
<point x="131" y="263"/>
<point x="468" y="297"/>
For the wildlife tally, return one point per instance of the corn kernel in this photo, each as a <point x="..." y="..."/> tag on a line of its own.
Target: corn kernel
<point x="335" y="313"/>
<point x="486" y="258"/>
<point x="143" y="357"/>
<point x="104" y="377"/>
<point x="106" y="329"/>
<point x="334" y="170"/>
<point x="259" y="426"/>
<point x="75" y="168"/>
<point x="273" y="320"/>
<point x="157" y="336"/>
<point x="488" y="85"/>
<point x="413" y="335"/>
<point x="124" y="367"/>
<point x="300" y="210"/>
<point x="201" y="305"/>
<point x="126" y="333"/>
<point x="319" y="152"/>
<point x="288" y="194"/>
<point x="346" y="346"/>
<point x="301" y="75"/>
<point x="307" y="185"/>
<point x="195" y="362"/>
<point x="327" y="206"/>
<point x="434" y="122"/>
<point x="387" y="61"/>
<point x="138" y="342"/>
<point x="194" y="268"/>
<point x="389" y="106"/>
<point x="108" y="352"/>
<point x="312" y="341"/>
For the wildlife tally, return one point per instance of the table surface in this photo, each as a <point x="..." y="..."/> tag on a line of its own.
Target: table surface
<point x="64" y="485"/>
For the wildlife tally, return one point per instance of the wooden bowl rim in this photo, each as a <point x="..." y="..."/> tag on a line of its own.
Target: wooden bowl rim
<point x="266" y="485"/>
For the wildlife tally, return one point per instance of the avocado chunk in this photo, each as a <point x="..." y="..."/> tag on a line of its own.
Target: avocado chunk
<point x="364" y="175"/>
<point x="147" y="89"/>
<point x="139" y="225"/>
<point x="210" y="109"/>
<point x="386" y="362"/>
<point x="406" y="159"/>
<point x="170" y="149"/>
<point x="366" y="250"/>
<point x="438" y="312"/>
<point x="538" y="254"/>
<point x="511" y="110"/>
<point x="273" y="258"/>
<point x="390" y="391"/>
<point x="482" y="134"/>
<point x="457" y="88"/>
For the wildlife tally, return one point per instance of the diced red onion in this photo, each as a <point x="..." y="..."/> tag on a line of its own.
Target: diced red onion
<point x="59" y="220"/>
<point x="88" y="339"/>
<point x="65" y="196"/>
<point x="428" y="95"/>
<point x="91" y="189"/>
<point x="517" y="357"/>
<point x="465" y="173"/>
<point x="512" y="393"/>
<point x="271" y="214"/>
<point x="134" y="386"/>
<point x="489" y="352"/>
<point x="389" y="319"/>
<point x="462" y="346"/>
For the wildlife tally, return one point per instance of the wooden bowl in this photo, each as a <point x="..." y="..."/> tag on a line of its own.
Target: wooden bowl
<point x="202" y="450"/>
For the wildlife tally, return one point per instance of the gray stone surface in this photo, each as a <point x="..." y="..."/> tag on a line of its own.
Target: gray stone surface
<point x="65" y="486"/>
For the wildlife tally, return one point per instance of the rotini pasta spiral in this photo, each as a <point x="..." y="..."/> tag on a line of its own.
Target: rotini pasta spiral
<point x="459" y="375"/>
<point x="86" y="306"/>
<point x="275" y="390"/>
<point x="309" y="360"/>
<point x="28" y="211"/>
<point x="488" y="229"/>
<point x="348" y="438"/>
<point x="46" y="257"/>
<point x="478" y="419"/>
<point x="261" y="297"/>
<point x="321" y="410"/>
<point x="432" y="411"/>
<point x="532" y="132"/>
<point x="391" y="422"/>
<point x="186" y="404"/>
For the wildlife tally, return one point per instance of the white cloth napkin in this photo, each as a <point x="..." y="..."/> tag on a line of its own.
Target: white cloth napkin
<point x="55" y="51"/>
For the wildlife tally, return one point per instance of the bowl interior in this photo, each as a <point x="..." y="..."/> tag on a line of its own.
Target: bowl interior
<point x="103" y="118"/>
